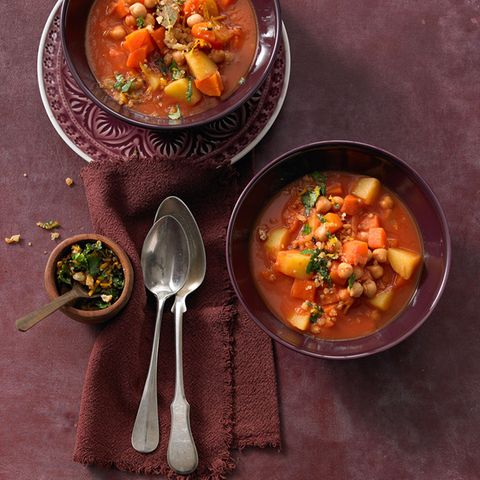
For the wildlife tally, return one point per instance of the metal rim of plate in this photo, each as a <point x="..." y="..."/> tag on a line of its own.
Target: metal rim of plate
<point x="261" y="134"/>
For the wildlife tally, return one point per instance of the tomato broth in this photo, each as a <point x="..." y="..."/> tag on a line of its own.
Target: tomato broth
<point x="131" y="58"/>
<point x="360" y="271"/>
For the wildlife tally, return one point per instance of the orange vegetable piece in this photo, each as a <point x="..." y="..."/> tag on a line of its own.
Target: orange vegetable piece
<point x="335" y="189"/>
<point x="204" y="30"/>
<point x="226" y="3"/>
<point x="352" y="205"/>
<point x="137" y="39"/>
<point x="377" y="238"/>
<point x="137" y="57"/>
<point x="303" y="289"/>
<point x="333" y="222"/>
<point x="158" y="36"/>
<point x="211" y="85"/>
<point x="121" y="9"/>
<point x="334" y="275"/>
<point x="369" y="222"/>
<point x="355" y="252"/>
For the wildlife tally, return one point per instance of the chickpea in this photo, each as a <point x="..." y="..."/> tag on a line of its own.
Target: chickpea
<point x="130" y="21"/>
<point x="179" y="57"/>
<point x="194" y="19"/>
<point x="344" y="270"/>
<point x="380" y="255"/>
<point x="218" y="56"/>
<point x="376" y="271"/>
<point x="150" y="19"/>
<point x="363" y="236"/>
<point x="117" y="33"/>
<point x="150" y="3"/>
<point x="386" y="202"/>
<point x="343" y="294"/>
<point x="323" y="205"/>
<point x="320" y="233"/>
<point x="356" y="290"/>
<point x="370" y="255"/>
<point x="337" y="203"/>
<point x="358" y="271"/>
<point x="369" y="288"/>
<point x="138" y="10"/>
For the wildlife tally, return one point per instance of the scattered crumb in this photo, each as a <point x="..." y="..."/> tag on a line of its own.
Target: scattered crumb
<point x="29" y="244"/>
<point x="106" y="298"/>
<point x="13" y="239"/>
<point x="51" y="224"/>
<point x="45" y="252"/>
<point x="54" y="235"/>
<point x="69" y="181"/>
<point x="423" y="21"/>
<point x="25" y="175"/>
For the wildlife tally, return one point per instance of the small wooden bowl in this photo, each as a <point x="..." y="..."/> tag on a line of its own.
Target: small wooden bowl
<point x="89" y="316"/>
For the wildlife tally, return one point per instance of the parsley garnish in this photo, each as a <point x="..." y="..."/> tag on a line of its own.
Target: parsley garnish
<point x="121" y="84"/>
<point x="140" y="22"/>
<point x="306" y="229"/>
<point x="175" y="72"/>
<point x="161" y="65"/>
<point x="176" y="114"/>
<point x="315" y="313"/>
<point x="308" y="252"/>
<point x="309" y="199"/>
<point x="322" y="219"/>
<point x="318" y="264"/>
<point x="189" y="90"/>
<point x="321" y="180"/>
<point x="351" y="280"/>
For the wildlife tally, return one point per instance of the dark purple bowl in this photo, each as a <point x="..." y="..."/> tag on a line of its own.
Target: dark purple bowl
<point x="352" y="157"/>
<point x="74" y="18"/>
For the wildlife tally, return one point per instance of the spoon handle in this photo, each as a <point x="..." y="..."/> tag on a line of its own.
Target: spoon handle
<point x="28" y="321"/>
<point x="182" y="453"/>
<point x="146" y="434"/>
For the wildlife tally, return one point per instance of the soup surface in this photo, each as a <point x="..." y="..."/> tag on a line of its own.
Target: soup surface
<point x="336" y="255"/>
<point x="171" y="58"/>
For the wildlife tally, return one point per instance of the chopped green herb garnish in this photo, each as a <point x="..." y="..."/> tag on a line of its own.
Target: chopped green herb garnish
<point x="51" y="224"/>
<point x="308" y="252"/>
<point x="318" y="264"/>
<point x="189" y="90"/>
<point x="322" y="219"/>
<point x="351" y="280"/>
<point x="161" y="65"/>
<point x="309" y="199"/>
<point x="321" y="180"/>
<point x="175" y="72"/>
<point x="306" y="229"/>
<point x="175" y="114"/>
<point x="315" y="313"/>
<point x="140" y="22"/>
<point x="121" y="84"/>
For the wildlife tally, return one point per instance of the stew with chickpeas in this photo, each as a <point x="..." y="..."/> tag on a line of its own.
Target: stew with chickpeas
<point x="171" y="58"/>
<point x="336" y="255"/>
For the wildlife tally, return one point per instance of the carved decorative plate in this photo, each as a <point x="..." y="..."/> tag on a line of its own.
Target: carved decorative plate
<point x="95" y="135"/>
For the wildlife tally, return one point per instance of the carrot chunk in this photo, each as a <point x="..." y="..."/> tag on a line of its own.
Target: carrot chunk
<point x="334" y="275"/>
<point x="352" y="205"/>
<point x="137" y="39"/>
<point x="158" y="36"/>
<point x="137" y="57"/>
<point x="212" y="85"/>
<point x="355" y="252"/>
<point x="333" y="222"/>
<point x="377" y="238"/>
<point x="368" y="222"/>
<point x="121" y="9"/>
<point x="303" y="289"/>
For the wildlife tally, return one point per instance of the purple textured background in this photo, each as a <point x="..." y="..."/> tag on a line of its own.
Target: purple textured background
<point x="402" y="75"/>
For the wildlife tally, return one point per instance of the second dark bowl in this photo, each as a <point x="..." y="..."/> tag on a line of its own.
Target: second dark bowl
<point x="74" y="18"/>
<point x="354" y="158"/>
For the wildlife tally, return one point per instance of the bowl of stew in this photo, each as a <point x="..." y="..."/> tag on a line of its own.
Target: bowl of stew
<point x="169" y="64"/>
<point x="338" y="249"/>
<point x="100" y="266"/>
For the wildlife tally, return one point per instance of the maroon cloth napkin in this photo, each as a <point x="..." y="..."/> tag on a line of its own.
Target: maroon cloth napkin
<point x="228" y="362"/>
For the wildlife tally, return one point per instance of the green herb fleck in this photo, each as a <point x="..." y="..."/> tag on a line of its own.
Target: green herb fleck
<point x="321" y="181"/>
<point x="140" y="22"/>
<point x="318" y="264"/>
<point x="161" y="65"/>
<point x="308" y="252"/>
<point x="351" y="280"/>
<point x="175" y="72"/>
<point x="322" y="219"/>
<point x="315" y="313"/>
<point x="175" y="114"/>
<point x="309" y="199"/>
<point x="189" y="90"/>
<point x="306" y="229"/>
<point x="121" y="84"/>
<point x="168" y="13"/>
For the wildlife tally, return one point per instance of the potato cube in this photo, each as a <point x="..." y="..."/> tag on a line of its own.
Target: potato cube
<point x="367" y="188"/>
<point x="404" y="262"/>
<point x="300" y="320"/>
<point x="178" y="89"/>
<point x="200" y="64"/>
<point x="382" y="300"/>
<point x="276" y="241"/>
<point x="293" y="263"/>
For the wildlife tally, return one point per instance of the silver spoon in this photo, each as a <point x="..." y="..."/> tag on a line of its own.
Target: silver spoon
<point x="182" y="453"/>
<point x="165" y="264"/>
